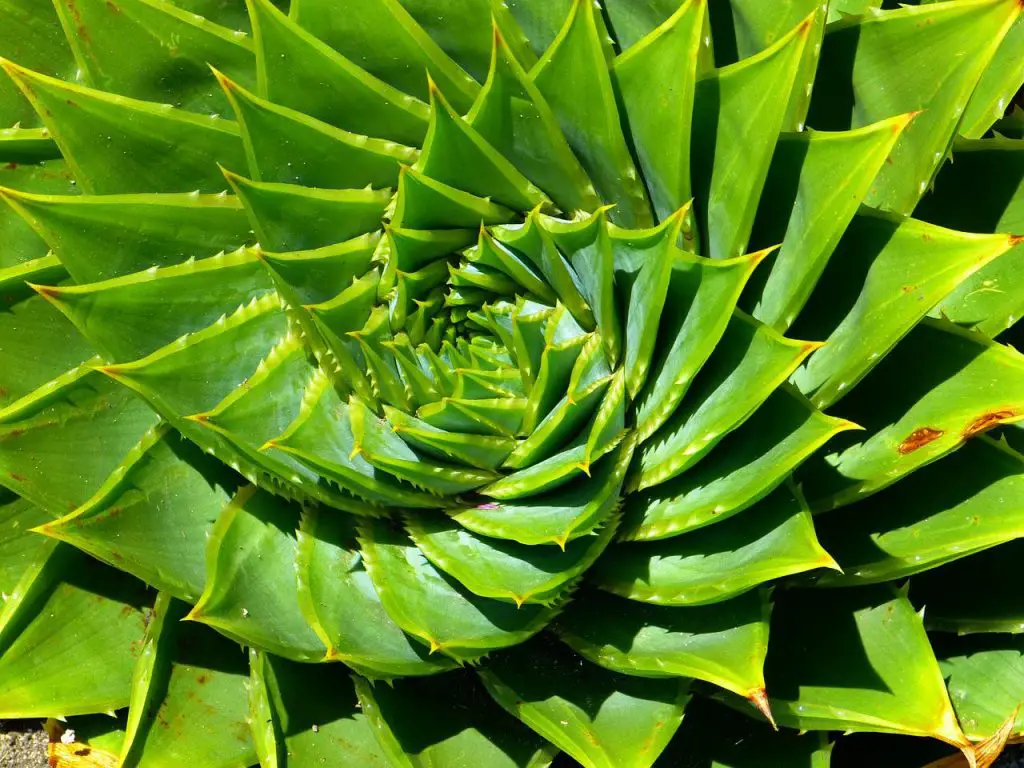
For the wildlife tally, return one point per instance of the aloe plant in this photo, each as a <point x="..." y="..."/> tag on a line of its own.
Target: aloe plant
<point x="422" y="383"/>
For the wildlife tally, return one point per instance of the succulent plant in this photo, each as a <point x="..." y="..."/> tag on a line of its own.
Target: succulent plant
<point x="456" y="383"/>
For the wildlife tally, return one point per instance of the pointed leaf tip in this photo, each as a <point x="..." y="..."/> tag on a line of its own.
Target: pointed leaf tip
<point x="759" y="698"/>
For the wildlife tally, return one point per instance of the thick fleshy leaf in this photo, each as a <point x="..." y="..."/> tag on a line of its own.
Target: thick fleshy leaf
<point x="738" y="114"/>
<point x="296" y="70"/>
<point x="153" y="514"/>
<point x="69" y="612"/>
<point x="19" y="546"/>
<point x="505" y="570"/>
<point x="573" y="76"/>
<point x="775" y="538"/>
<point x="32" y="34"/>
<point x="968" y="502"/>
<point x="342" y="605"/>
<point x="743" y="468"/>
<point x="388" y="43"/>
<point x="132" y="316"/>
<point x="456" y="154"/>
<point x="311" y="731"/>
<point x="656" y="80"/>
<point x="188" y="703"/>
<point x="947" y="47"/>
<point x="976" y="594"/>
<point x="41" y="437"/>
<point x="168" y="59"/>
<point x="447" y="721"/>
<point x="998" y="84"/>
<point x="288" y="217"/>
<point x="602" y="719"/>
<point x="99" y="237"/>
<point x="816" y="182"/>
<point x="289" y="147"/>
<point x="724" y="644"/>
<point x="251" y="591"/>
<point x="969" y="386"/>
<point x="50" y="177"/>
<point x="115" y="144"/>
<point x="425" y="203"/>
<point x="512" y="115"/>
<point x="540" y="20"/>
<point x="748" y="363"/>
<point x="984" y="675"/>
<point x="715" y="736"/>
<point x="904" y="268"/>
<point x="867" y="666"/>
<point x="567" y="513"/>
<point x="432" y="606"/>
<point x="992" y="299"/>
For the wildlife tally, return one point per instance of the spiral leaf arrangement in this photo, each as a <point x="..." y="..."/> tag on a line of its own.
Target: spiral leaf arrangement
<point x="485" y="349"/>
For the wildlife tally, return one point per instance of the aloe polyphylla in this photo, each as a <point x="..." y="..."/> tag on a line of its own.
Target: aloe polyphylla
<point x="510" y="379"/>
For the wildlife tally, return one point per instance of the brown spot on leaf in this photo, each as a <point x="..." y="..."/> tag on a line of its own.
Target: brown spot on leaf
<point x="17" y="477"/>
<point x="11" y="167"/>
<point x="919" y="438"/>
<point x="987" y="421"/>
<point x="204" y="678"/>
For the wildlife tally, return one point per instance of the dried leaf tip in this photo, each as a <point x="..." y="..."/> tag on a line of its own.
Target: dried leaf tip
<point x="46" y="291"/>
<point x="1015" y="240"/>
<point x="759" y="698"/>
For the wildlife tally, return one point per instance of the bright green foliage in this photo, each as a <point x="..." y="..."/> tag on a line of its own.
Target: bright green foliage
<point x="477" y="384"/>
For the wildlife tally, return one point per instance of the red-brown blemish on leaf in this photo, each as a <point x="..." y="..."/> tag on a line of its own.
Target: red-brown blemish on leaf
<point x="987" y="421"/>
<point x="11" y="167"/>
<point x="926" y="237"/>
<point x="17" y="477"/>
<point x="919" y="438"/>
<point x="204" y="678"/>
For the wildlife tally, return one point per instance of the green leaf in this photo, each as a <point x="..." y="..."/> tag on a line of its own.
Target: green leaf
<point x="69" y="635"/>
<point x="947" y="46"/>
<point x="991" y="299"/>
<point x="703" y="292"/>
<point x="296" y="70"/>
<point x="41" y="457"/>
<point x="904" y="268"/>
<point x="388" y="43"/>
<point x="816" y="182"/>
<point x="168" y="59"/>
<point x="288" y="217"/>
<point x="748" y="363"/>
<point x="743" y="468"/>
<point x="485" y="452"/>
<point x="997" y="86"/>
<point x="114" y="144"/>
<point x="425" y="203"/>
<point x="448" y="721"/>
<point x="251" y="592"/>
<point x="98" y="237"/>
<point x="867" y="666"/>
<point x="32" y="34"/>
<point x="286" y="146"/>
<point x="715" y="736"/>
<point x="325" y="730"/>
<point x="505" y="570"/>
<point x="574" y="510"/>
<point x="21" y="243"/>
<point x="632" y="21"/>
<point x="430" y="605"/>
<point x="656" y="80"/>
<point x="972" y="500"/>
<point x="321" y="274"/>
<point x="455" y="154"/>
<point x="341" y="603"/>
<point x="188" y="703"/>
<point x="602" y="719"/>
<point x="540" y="20"/>
<point x="512" y="116"/>
<point x="975" y="594"/>
<point x="27" y="145"/>
<point x="573" y="77"/>
<point x="724" y="643"/>
<point x="970" y="385"/>
<point x="19" y="546"/>
<point x="775" y="538"/>
<point x="739" y="111"/>
<point x="29" y="323"/>
<point x="984" y="674"/>
<point x="152" y="516"/>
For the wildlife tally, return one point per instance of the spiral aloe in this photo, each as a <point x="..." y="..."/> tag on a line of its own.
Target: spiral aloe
<point x="510" y="379"/>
